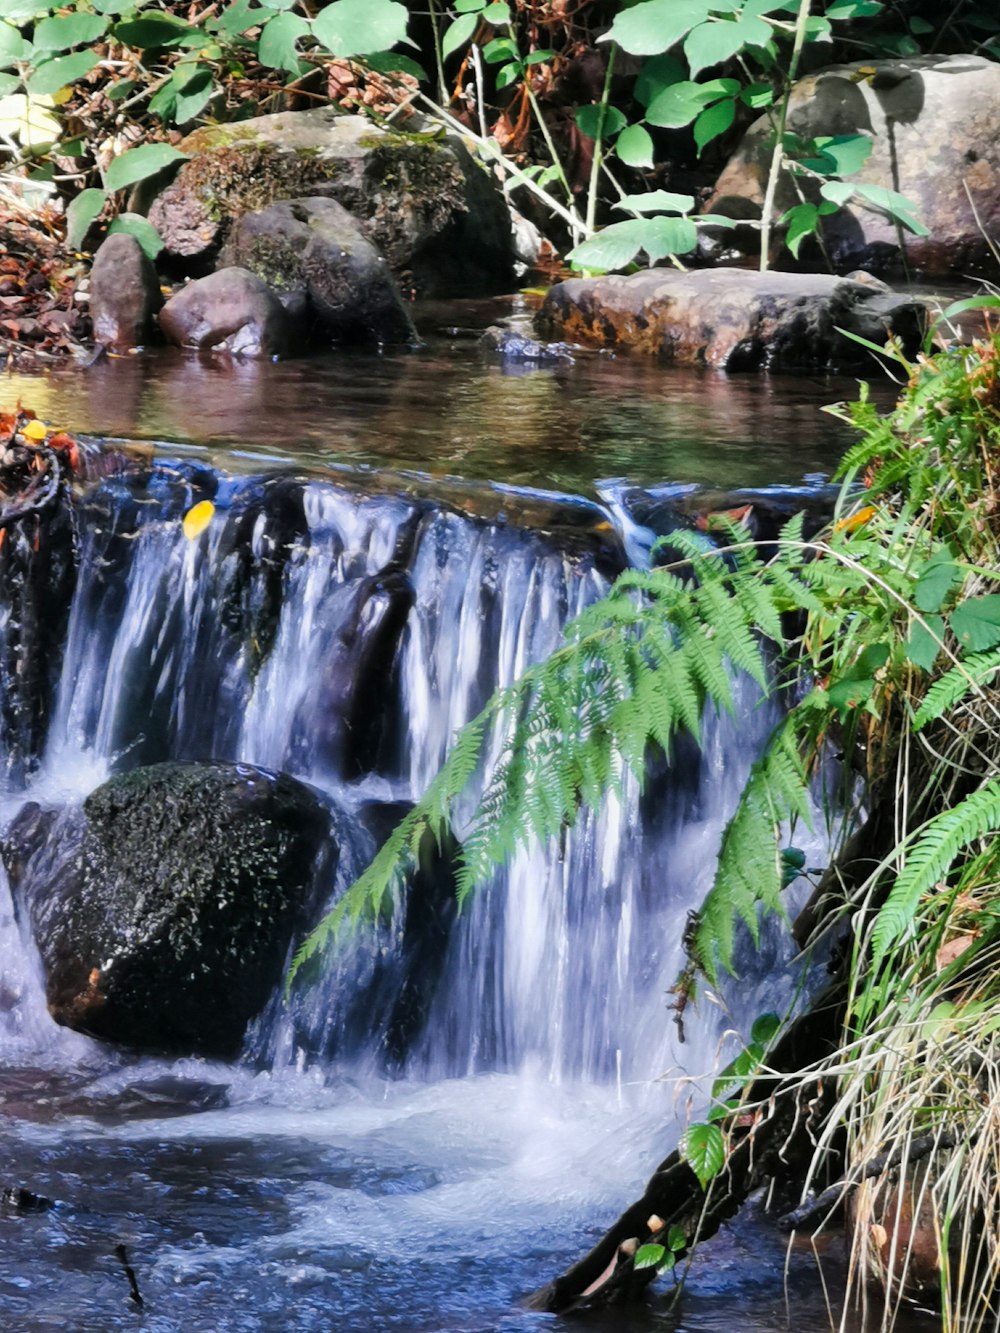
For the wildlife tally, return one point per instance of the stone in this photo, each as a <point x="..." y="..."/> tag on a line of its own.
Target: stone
<point x="315" y="257"/>
<point x="232" y="310"/>
<point x="124" y="293"/>
<point x="438" y="217"/>
<point x="163" y="908"/>
<point x="935" y="128"/>
<point x="732" y="318"/>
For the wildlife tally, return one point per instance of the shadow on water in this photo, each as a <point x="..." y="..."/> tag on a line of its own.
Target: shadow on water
<point x="449" y="408"/>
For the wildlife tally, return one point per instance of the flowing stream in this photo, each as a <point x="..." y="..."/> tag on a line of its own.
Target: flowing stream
<point x="361" y="1168"/>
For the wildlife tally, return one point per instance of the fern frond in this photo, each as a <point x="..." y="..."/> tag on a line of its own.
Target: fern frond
<point x="966" y="678"/>
<point x="940" y="842"/>
<point x="749" y="870"/>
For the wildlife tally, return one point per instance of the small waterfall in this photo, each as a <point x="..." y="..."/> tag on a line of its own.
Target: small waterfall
<point x="344" y="637"/>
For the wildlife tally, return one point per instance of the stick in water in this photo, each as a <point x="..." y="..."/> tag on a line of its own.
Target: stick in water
<point x="122" y="1256"/>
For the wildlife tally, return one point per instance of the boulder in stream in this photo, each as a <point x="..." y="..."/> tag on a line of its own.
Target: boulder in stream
<point x="314" y="255"/>
<point x="934" y="123"/>
<point x="231" y="310"/>
<point x="733" y="318"/>
<point x="163" y="908"/>
<point x="124" y="293"/>
<point x="437" y="215"/>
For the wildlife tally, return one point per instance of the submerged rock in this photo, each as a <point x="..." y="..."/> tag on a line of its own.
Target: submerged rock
<point x="231" y="310"/>
<point x="934" y="122"/>
<point x="315" y="257"/>
<point x="732" y="318"/>
<point x="164" y="907"/>
<point x="439" y="218"/>
<point x="516" y="348"/>
<point x="124" y="293"/>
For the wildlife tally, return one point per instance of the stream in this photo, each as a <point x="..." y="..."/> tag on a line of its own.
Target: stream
<point x="318" y="1183"/>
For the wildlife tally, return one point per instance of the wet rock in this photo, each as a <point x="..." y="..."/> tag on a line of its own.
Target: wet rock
<point x="231" y="310"/>
<point x="437" y="216"/>
<point x="124" y="293"/>
<point x="730" y="318"/>
<point x="315" y="257"/>
<point x="355" y="718"/>
<point x="17" y="1199"/>
<point x="164" y="907"/>
<point x="935" y="128"/>
<point x="519" y="349"/>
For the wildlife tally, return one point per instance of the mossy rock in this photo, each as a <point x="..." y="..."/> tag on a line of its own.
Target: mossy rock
<point x="164" y="907"/>
<point x="437" y="216"/>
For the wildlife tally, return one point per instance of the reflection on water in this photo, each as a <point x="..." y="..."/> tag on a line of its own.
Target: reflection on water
<point x="450" y="408"/>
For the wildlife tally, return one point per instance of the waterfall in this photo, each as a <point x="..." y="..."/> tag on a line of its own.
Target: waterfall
<point x="344" y="634"/>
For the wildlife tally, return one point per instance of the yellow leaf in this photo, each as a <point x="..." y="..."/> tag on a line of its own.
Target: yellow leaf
<point x="855" y="521"/>
<point x="34" y="430"/>
<point x="197" y="519"/>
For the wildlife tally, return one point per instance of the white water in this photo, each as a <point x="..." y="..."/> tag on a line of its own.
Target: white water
<point x="530" y="1111"/>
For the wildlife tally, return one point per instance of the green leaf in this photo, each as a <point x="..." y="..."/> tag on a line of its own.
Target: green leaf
<point x="131" y="224"/>
<point x="767" y="1026"/>
<point x="500" y="49"/>
<point x="757" y="95"/>
<point x="839" y="154"/>
<point x="656" y="75"/>
<point x="713" y="121"/>
<point x="801" y="221"/>
<point x="392" y="62"/>
<point x="358" y="27"/>
<point x="654" y="26"/>
<point x="635" y="146"/>
<point x="657" y="201"/>
<point x="676" y="1239"/>
<point x="59" y="73"/>
<point x="12" y="45"/>
<point x="19" y="11"/>
<point x="153" y="31"/>
<point x="935" y="581"/>
<point x="922" y="647"/>
<point x="8" y="83"/>
<point x="976" y="622"/>
<point x="277" y="43"/>
<point x="704" y="1150"/>
<point x="676" y="105"/>
<point x="138" y="163"/>
<point x="717" y="41"/>
<point x="540" y="57"/>
<point x="199" y="89"/>
<point x="469" y="6"/>
<point x="497" y="14"/>
<point x="509" y="74"/>
<point x="613" y="248"/>
<point x="649" y="1256"/>
<point x="237" y="17"/>
<point x="588" y="118"/>
<point x="81" y="214"/>
<point x="117" y="92"/>
<point x="66" y="31"/>
<point x="458" y="34"/>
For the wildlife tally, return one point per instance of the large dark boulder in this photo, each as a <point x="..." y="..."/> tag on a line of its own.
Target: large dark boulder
<point x="312" y="253"/>
<point x="437" y="215"/>
<point x="163" y="908"/>
<point x="732" y="318"/>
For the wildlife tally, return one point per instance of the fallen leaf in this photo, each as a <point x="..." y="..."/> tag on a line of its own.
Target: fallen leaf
<point x="197" y="519"/>
<point x="952" y="949"/>
<point x="34" y="430"/>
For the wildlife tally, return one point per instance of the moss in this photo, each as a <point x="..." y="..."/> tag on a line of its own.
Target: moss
<point x="239" y="178"/>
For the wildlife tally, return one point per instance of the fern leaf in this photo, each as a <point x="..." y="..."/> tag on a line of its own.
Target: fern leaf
<point x="941" y="840"/>
<point x="974" y="672"/>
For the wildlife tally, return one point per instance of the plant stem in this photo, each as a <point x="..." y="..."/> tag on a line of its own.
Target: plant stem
<point x="778" y="156"/>
<point x="438" y="58"/>
<point x="595" y="166"/>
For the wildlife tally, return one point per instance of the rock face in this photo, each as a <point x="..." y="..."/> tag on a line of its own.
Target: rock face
<point x="315" y="257"/>
<point x="439" y="219"/>
<point x="731" y="318"/>
<point x="163" y="909"/>
<point x="124" y="293"/>
<point x="935" y="128"/>
<point x="232" y="310"/>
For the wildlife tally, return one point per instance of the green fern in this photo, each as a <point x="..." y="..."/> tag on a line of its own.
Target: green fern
<point x="938" y="846"/>
<point x="965" y="678"/>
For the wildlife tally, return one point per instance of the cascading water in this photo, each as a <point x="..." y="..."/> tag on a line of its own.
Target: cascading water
<point x="343" y="637"/>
